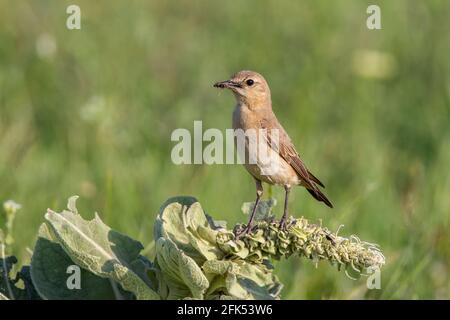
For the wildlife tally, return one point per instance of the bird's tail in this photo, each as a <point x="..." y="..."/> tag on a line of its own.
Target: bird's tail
<point x="318" y="195"/>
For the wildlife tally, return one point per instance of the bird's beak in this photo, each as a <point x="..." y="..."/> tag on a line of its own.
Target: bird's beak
<point x="229" y="84"/>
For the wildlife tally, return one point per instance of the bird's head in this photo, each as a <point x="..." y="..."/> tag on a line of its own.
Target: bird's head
<point x="249" y="87"/>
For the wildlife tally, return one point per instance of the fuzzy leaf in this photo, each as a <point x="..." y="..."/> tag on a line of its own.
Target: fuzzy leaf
<point x="97" y="248"/>
<point x="182" y="220"/>
<point x="181" y="272"/>
<point x="242" y="279"/>
<point x="8" y="286"/>
<point x="49" y="273"/>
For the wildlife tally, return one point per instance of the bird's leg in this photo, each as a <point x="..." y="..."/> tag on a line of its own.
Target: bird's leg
<point x="287" y="188"/>
<point x="259" y="193"/>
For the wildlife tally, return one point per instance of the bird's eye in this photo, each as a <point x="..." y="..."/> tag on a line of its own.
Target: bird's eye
<point x="249" y="82"/>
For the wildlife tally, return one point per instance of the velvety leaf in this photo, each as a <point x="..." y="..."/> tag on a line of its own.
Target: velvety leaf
<point x="106" y="253"/>
<point x="184" y="230"/>
<point x="49" y="274"/>
<point x="241" y="279"/>
<point x="8" y="286"/>
<point x="182" y="220"/>
<point x="217" y="267"/>
<point x="180" y="272"/>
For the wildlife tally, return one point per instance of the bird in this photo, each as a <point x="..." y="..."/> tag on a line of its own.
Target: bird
<point x="281" y="165"/>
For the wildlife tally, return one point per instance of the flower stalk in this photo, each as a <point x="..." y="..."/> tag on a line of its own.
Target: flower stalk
<point x="303" y="239"/>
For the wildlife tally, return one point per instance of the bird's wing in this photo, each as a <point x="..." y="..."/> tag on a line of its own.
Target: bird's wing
<point x="286" y="150"/>
<point x="315" y="179"/>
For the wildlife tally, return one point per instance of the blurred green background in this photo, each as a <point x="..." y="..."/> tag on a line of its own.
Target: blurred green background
<point x="91" y="111"/>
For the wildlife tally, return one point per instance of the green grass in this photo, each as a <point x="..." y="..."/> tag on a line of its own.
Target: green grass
<point x="94" y="118"/>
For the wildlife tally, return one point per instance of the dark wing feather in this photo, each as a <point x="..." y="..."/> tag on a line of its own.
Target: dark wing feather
<point x="315" y="179"/>
<point x="289" y="154"/>
<point x="287" y="151"/>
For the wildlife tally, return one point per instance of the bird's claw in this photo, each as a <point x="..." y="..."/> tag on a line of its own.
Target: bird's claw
<point x="242" y="232"/>
<point x="283" y="225"/>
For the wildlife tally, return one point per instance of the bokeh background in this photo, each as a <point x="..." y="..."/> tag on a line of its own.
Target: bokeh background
<point x="91" y="111"/>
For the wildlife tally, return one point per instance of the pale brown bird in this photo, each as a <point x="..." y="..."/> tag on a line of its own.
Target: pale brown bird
<point x="254" y="111"/>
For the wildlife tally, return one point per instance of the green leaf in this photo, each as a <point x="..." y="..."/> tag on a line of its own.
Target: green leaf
<point x="8" y="286"/>
<point x="217" y="267"/>
<point x="183" y="231"/>
<point x="49" y="274"/>
<point x="258" y="280"/>
<point x="182" y="220"/>
<point x="183" y="276"/>
<point x="6" y="264"/>
<point x="104" y="252"/>
<point x="241" y="280"/>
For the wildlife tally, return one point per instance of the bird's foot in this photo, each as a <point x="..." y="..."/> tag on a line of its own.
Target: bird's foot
<point x="283" y="224"/>
<point x="242" y="232"/>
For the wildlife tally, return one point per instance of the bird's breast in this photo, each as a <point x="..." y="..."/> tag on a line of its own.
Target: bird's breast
<point x="254" y="152"/>
<point x="270" y="167"/>
<point x="239" y="117"/>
